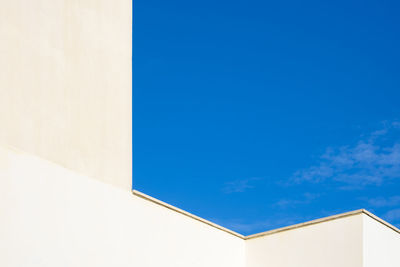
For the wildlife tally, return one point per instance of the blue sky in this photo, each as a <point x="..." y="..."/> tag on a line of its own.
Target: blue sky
<point x="261" y="114"/>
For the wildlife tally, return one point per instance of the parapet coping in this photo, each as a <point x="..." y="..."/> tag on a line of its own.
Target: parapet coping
<point x="168" y="206"/>
<point x="325" y="219"/>
<point x="270" y="232"/>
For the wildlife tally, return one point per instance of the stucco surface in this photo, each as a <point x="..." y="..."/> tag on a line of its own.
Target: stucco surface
<point x="65" y="83"/>
<point x="330" y="244"/>
<point x="381" y="244"/>
<point x="51" y="216"/>
<point x="66" y="118"/>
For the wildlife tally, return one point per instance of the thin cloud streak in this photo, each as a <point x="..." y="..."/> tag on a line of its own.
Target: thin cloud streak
<point x="248" y="228"/>
<point x="392" y="215"/>
<point x="307" y="198"/>
<point x="240" y="185"/>
<point x="372" y="161"/>
<point x="381" y="202"/>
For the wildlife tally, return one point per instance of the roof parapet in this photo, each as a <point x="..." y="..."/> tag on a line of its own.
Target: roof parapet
<point x="270" y="232"/>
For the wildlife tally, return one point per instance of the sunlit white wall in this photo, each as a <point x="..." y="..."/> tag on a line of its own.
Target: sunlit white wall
<point x="65" y="101"/>
<point x="51" y="216"/>
<point x="381" y="244"/>
<point x="329" y="244"/>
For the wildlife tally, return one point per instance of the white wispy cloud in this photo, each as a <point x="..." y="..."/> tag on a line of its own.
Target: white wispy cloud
<point x="392" y="215"/>
<point x="380" y="202"/>
<point x="306" y="198"/>
<point x="246" y="228"/>
<point x="371" y="161"/>
<point x="240" y="185"/>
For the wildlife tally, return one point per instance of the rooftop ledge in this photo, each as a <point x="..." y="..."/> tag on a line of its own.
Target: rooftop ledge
<point x="286" y="228"/>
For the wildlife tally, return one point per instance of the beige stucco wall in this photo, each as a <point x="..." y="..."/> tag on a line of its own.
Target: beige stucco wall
<point x="52" y="216"/>
<point x="65" y="118"/>
<point x="330" y="244"/>
<point x="381" y="244"/>
<point x="65" y="83"/>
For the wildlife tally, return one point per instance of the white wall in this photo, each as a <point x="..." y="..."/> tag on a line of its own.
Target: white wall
<point x="329" y="244"/>
<point x="65" y="83"/>
<point x="51" y="216"/>
<point x="65" y="100"/>
<point x="381" y="244"/>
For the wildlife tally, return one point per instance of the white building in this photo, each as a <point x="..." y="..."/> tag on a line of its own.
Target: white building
<point x="66" y="159"/>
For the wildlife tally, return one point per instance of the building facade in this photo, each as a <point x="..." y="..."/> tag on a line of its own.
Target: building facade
<point x="66" y="162"/>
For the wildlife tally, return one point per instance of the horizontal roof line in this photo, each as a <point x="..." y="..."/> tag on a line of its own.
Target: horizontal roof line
<point x="325" y="219"/>
<point x="299" y="225"/>
<point x="270" y="232"/>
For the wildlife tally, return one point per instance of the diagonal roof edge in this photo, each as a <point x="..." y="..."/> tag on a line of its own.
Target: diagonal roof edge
<point x="385" y="223"/>
<point x="270" y="232"/>
<point x="185" y="213"/>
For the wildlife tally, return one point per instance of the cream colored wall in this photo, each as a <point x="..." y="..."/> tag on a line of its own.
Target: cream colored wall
<point x="65" y="100"/>
<point x="329" y="244"/>
<point x="65" y="83"/>
<point x="52" y="216"/>
<point x="381" y="244"/>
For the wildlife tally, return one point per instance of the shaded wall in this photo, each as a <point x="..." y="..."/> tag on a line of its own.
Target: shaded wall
<point x="65" y="83"/>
